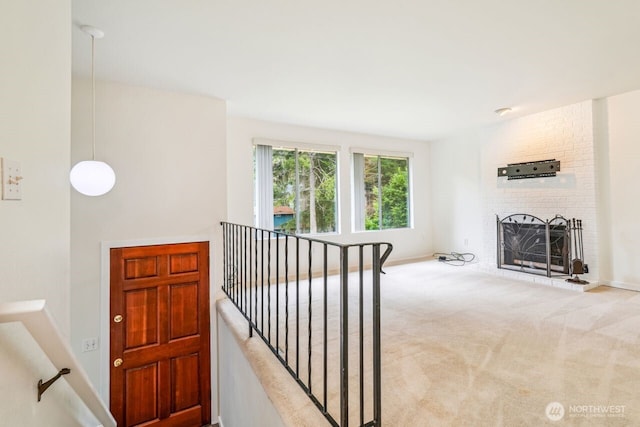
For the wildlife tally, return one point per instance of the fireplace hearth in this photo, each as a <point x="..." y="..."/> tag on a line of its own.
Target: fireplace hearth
<point x="529" y="244"/>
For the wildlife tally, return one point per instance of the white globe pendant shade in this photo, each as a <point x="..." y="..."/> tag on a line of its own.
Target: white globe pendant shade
<point x="92" y="178"/>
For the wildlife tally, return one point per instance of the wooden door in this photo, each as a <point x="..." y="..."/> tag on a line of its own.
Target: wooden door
<point x="160" y="351"/>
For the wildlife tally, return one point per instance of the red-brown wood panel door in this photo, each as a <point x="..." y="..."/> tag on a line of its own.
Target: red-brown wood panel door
<point x="160" y="351"/>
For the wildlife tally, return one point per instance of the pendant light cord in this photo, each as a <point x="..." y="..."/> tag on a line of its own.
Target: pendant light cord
<point x="93" y="98"/>
<point x="92" y="177"/>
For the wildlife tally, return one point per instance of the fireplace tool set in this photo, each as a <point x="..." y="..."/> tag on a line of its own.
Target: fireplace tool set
<point x="577" y="265"/>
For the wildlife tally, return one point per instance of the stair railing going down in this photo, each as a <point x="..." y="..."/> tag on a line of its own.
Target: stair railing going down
<point x="310" y="316"/>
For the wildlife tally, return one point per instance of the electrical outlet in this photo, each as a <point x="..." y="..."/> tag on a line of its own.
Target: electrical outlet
<point x="89" y="344"/>
<point x="466" y="242"/>
<point x="11" y="177"/>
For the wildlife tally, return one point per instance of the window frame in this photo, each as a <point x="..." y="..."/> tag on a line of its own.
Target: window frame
<point x="358" y="224"/>
<point x="297" y="147"/>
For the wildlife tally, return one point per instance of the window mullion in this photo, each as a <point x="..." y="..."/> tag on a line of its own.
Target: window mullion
<point x="264" y="186"/>
<point x="297" y="199"/>
<point x="360" y="203"/>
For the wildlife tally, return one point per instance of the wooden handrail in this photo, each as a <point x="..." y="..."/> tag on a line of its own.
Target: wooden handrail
<point x="41" y="325"/>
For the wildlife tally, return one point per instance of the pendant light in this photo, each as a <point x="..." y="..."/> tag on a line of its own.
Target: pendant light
<point x="92" y="177"/>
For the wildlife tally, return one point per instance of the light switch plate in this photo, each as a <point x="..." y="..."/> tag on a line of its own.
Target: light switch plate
<point x="11" y="177"/>
<point x="89" y="344"/>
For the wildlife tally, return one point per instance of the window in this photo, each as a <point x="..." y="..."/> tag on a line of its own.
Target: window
<point x="296" y="189"/>
<point x="381" y="192"/>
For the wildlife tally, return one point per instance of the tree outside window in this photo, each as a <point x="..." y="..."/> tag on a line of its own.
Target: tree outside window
<point x="304" y="190"/>
<point x="386" y="192"/>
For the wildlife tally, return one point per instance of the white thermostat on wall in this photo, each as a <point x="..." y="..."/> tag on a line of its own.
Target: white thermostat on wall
<point x="11" y="177"/>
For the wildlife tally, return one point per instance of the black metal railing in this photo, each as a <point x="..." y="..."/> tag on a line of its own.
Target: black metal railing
<point x="306" y="312"/>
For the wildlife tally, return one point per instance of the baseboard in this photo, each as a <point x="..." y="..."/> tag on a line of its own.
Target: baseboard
<point x="304" y="275"/>
<point x="411" y="260"/>
<point x="621" y="285"/>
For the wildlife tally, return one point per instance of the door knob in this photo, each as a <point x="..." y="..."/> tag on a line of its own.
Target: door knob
<point x="117" y="318"/>
<point x="117" y="362"/>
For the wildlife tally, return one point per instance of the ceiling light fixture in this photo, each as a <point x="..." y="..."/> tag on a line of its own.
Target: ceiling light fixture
<point x="92" y="177"/>
<point x="502" y="111"/>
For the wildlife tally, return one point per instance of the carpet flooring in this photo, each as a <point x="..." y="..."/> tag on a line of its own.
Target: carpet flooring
<point x="466" y="348"/>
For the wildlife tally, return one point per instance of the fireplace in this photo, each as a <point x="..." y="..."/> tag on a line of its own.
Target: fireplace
<point x="529" y="244"/>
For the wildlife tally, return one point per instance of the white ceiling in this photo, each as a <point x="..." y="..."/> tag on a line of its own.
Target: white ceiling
<point x="419" y="69"/>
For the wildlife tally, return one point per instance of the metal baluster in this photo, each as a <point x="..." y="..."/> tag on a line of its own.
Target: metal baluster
<point x="297" y="307"/>
<point x="235" y="263"/>
<point x="255" y="275"/>
<point x="243" y="264"/>
<point x="310" y="315"/>
<point x="237" y="267"/>
<point x="243" y="256"/>
<point x="269" y="287"/>
<point x="262" y="280"/>
<point x="278" y="292"/>
<point x="377" y="375"/>
<point x="344" y="336"/>
<point x="244" y="268"/>
<point x="286" y="299"/>
<point x="325" y="276"/>
<point x="250" y="230"/>
<point x="361" y="324"/>
<point x="224" y="257"/>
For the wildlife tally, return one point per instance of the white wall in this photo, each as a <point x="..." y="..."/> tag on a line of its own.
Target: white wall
<point x="58" y="407"/>
<point x="243" y="400"/>
<point x="468" y="165"/>
<point x="168" y="151"/>
<point x="408" y="243"/>
<point x="620" y="197"/>
<point x="35" y="111"/>
<point x="457" y="193"/>
<point x="35" y="99"/>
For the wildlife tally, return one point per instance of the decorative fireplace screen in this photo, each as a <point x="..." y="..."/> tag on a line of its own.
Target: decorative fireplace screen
<point x="528" y="244"/>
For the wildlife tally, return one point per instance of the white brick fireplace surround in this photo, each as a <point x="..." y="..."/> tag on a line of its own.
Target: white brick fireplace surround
<point x="565" y="134"/>
<point x="597" y="145"/>
<point x="468" y="194"/>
